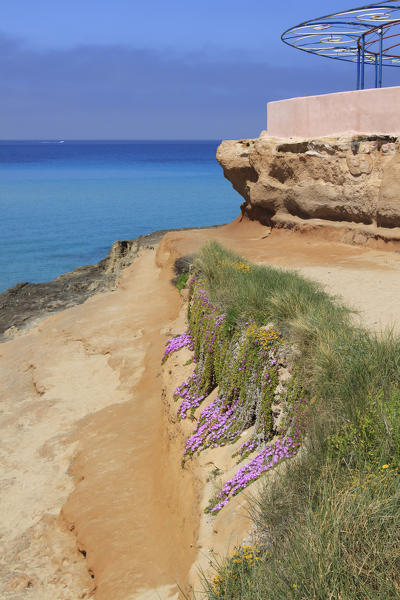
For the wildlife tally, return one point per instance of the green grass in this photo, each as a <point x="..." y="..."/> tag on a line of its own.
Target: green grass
<point x="330" y="522"/>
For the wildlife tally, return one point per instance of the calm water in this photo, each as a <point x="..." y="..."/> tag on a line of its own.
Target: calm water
<point x="63" y="205"/>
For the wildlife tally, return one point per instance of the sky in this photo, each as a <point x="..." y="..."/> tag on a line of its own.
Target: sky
<point x="153" y="69"/>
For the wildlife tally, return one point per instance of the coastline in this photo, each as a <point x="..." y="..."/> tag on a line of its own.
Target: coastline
<point x="23" y="305"/>
<point x="92" y="472"/>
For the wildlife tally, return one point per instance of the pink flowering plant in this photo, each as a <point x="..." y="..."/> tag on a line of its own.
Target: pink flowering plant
<point x="244" y="364"/>
<point x="176" y="343"/>
<point x="272" y="454"/>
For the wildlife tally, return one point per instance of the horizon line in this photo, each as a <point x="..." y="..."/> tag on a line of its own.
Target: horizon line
<point x="109" y="139"/>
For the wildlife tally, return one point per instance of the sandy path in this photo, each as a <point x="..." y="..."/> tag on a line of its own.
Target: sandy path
<point x="85" y="384"/>
<point x="84" y="432"/>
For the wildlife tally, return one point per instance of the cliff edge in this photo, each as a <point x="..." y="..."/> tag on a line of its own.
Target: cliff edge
<point x="350" y="183"/>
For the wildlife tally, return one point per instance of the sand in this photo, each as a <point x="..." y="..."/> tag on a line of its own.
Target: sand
<point x="366" y="279"/>
<point x="81" y="425"/>
<point x="93" y="499"/>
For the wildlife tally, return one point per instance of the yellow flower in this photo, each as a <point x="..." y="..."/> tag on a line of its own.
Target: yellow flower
<point x="385" y="466"/>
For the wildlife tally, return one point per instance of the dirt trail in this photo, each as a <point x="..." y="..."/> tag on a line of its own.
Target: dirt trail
<point x="85" y="384"/>
<point x="89" y="459"/>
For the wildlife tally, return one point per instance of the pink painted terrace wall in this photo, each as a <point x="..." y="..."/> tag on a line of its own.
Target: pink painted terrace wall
<point x="363" y="111"/>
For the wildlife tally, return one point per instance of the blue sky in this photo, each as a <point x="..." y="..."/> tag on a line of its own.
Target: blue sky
<point x="129" y="69"/>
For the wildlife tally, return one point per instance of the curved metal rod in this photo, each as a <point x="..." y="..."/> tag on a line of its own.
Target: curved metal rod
<point x="357" y="35"/>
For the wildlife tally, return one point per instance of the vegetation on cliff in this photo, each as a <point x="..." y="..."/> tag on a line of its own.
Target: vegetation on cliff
<point x="244" y="360"/>
<point x="328" y="525"/>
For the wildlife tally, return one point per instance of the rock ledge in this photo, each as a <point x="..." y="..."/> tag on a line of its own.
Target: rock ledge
<point x="351" y="183"/>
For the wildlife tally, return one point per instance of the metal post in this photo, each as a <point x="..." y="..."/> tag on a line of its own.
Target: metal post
<point x="362" y="62"/>
<point x="380" y="57"/>
<point x="358" y="65"/>
<point x="376" y="70"/>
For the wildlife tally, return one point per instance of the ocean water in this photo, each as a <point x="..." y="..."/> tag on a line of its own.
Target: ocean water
<point x="64" y="204"/>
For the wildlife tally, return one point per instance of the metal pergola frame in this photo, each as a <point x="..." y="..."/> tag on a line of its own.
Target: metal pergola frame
<point x="368" y="35"/>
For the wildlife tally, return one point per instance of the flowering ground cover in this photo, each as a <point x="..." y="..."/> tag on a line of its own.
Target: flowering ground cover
<point x="176" y="343"/>
<point x="329" y="525"/>
<point x="243" y="363"/>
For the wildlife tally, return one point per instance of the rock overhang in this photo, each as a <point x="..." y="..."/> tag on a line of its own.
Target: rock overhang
<point x="350" y="179"/>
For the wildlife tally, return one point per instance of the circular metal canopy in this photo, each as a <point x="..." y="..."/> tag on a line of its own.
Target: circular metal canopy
<point x="366" y="35"/>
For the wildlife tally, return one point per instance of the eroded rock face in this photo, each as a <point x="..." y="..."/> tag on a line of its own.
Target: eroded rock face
<point x="389" y="195"/>
<point x="354" y="179"/>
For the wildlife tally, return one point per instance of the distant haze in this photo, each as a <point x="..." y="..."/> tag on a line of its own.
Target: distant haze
<point x="155" y="70"/>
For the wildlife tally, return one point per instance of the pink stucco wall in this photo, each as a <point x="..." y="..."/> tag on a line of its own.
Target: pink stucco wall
<point x="364" y="111"/>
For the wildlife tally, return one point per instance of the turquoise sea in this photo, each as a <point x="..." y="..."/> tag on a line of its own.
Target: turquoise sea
<point x="64" y="203"/>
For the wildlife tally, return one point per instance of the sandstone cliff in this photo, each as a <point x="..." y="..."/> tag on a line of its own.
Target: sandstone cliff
<point x="351" y="183"/>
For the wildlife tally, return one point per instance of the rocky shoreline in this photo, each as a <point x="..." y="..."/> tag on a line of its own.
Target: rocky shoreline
<point x="23" y="304"/>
